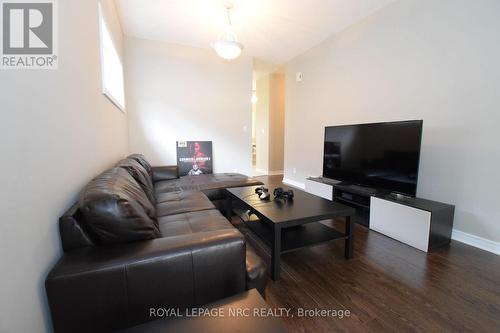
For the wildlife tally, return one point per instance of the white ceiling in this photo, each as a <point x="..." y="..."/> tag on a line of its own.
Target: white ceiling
<point x="272" y="30"/>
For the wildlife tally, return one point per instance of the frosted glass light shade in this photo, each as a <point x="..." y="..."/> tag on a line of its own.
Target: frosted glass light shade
<point x="228" y="49"/>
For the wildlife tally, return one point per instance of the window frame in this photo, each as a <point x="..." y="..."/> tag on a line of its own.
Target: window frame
<point x="105" y="91"/>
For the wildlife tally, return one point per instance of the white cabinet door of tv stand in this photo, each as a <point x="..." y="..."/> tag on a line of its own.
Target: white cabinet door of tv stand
<point x="420" y="223"/>
<point x="317" y="187"/>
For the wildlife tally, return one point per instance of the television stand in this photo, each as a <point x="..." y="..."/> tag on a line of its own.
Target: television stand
<point x="421" y="223"/>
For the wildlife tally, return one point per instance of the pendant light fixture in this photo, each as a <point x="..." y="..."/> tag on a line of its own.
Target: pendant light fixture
<point x="228" y="47"/>
<point x="254" y="98"/>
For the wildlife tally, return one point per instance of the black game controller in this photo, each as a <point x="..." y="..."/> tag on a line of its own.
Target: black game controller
<point x="280" y="193"/>
<point x="262" y="192"/>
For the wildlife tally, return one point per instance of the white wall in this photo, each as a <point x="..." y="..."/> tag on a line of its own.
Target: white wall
<point x="183" y="93"/>
<point x="415" y="59"/>
<point x="262" y="124"/>
<point x="57" y="131"/>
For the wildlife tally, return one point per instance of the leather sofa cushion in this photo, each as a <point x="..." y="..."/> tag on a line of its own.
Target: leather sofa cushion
<point x="181" y="202"/>
<point x="205" y="183"/>
<point x="166" y="172"/>
<point x="117" y="210"/>
<point x="107" y="288"/>
<point x="141" y="176"/>
<point x="193" y="222"/>
<point x="142" y="161"/>
<point x="256" y="270"/>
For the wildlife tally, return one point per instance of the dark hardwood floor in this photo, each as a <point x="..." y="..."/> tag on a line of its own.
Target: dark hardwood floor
<point x="387" y="286"/>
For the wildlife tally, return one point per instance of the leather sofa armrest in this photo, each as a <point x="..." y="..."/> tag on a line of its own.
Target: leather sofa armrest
<point x="108" y="288"/>
<point x="165" y="173"/>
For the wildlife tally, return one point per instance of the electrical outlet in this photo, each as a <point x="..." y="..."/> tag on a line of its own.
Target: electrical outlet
<point x="294" y="171"/>
<point x="298" y="76"/>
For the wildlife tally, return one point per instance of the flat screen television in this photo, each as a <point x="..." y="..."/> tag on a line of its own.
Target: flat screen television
<point x="384" y="156"/>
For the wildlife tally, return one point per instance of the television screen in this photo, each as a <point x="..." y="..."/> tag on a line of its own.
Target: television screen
<point x="380" y="155"/>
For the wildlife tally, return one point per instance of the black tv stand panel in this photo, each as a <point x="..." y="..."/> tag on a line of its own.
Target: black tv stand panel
<point x="356" y="188"/>
<point x="355" y="196"/>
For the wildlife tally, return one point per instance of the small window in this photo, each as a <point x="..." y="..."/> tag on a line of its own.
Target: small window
<point x="111" y="66"/>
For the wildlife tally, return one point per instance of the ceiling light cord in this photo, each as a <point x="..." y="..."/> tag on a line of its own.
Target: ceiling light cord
<point x="229" y="17"/>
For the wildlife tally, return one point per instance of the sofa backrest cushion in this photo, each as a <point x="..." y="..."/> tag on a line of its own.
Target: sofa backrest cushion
<point x="141" y="176"/>
<point x="142" y="161"/>
<point x="117" y="210"/>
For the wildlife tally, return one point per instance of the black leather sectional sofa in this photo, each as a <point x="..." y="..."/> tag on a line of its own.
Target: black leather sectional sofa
<point x="142" y="237"/>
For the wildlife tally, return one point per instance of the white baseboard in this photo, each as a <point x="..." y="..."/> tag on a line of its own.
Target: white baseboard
<point x="476" y="241"/>
<point x="294" y="183"/>
<point x="262" y="172"/>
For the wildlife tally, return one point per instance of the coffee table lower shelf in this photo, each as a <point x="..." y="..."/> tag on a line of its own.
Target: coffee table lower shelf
<point x="295" y="238"/>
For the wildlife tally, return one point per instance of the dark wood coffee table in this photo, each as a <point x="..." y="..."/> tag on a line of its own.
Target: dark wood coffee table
<point x="288" y="225"/>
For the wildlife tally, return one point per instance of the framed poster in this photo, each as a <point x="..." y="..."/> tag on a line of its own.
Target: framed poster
<point x="194" y="157"/>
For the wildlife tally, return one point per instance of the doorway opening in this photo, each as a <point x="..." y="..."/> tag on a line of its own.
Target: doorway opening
<point x="268" y="119"/>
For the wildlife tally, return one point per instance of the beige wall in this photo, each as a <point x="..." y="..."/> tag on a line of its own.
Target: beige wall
<point x="262" y="124"/>
<point x="415" y="59"/>
<point x="57" y="132"/>
<point x="270" y="113"/>
<point x="183" y="93"/>
<point x="276" y="122"/>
